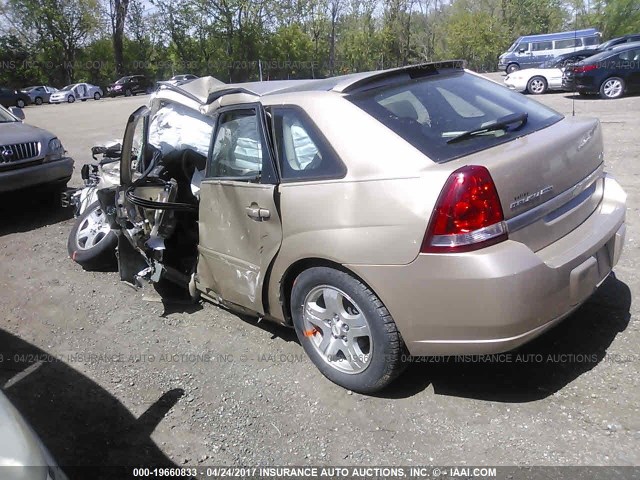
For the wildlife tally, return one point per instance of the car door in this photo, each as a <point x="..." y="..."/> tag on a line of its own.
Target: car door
<point x="135" y="85"/>
<point x="239" y="224"/>
<point x="634" y="70"/>
<point x="524" y="54"/>
<point x="6" y="97"/>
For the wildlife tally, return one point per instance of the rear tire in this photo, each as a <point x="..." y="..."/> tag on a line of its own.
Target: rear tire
<point x="537" y="85"/>
<point x="96" y="96"/>
<point x="38" y="101"/>
<point x="346" y="330"/>
<point x="91" y="243"/>
<point x="611" y="88"/>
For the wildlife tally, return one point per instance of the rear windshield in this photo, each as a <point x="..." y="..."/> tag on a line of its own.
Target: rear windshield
<point x="429" y="112"/>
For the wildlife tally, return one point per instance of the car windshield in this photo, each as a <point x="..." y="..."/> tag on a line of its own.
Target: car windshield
<point x="430" y="111"/>
<point x="122" y="80"/>
<point x="5" y="116"/>
<point x="513" y="46"/>
<point x="28" y="89"/>
<point x="69" y="87"/>
<point x="609" y="43"/>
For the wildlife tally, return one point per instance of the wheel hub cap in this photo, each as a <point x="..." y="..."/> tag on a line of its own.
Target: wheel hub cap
<point x="337" y="329"/>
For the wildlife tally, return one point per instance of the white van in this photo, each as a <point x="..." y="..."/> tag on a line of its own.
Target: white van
<point x="533" y="50"/>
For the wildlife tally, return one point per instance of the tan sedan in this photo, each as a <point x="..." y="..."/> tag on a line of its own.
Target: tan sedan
<point x="423" y="210"/>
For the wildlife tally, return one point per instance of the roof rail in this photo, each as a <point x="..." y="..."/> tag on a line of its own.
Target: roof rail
<point x="375" y="79"/>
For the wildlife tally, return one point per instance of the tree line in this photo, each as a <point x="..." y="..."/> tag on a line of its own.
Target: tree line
<point x="57" y="42"/>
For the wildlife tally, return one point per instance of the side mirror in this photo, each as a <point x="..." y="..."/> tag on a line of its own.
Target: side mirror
<point x="17" y="112"/>
<point x="522" y="50"/>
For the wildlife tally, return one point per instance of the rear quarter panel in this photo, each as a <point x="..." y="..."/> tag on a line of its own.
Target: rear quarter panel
<point x="376" y="214"/>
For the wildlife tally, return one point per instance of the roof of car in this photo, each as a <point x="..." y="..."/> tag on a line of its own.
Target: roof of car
<point x="559" y="35"/>
<point x="207" y="89"/>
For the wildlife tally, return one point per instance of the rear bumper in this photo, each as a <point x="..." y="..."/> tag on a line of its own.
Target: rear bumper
<point x="496" y="299"/>
<point x="50" y="172"/>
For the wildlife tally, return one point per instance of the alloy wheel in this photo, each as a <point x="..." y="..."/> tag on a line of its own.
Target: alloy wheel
<point x="337" y="329"/>
<point x="93" y="229"/>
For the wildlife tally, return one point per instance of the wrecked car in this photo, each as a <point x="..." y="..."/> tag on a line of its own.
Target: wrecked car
<point x="417" y="211"/>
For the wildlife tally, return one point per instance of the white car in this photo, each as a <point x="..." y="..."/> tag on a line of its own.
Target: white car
<point x="76" y="91"/>
<point x="547" y="77"/>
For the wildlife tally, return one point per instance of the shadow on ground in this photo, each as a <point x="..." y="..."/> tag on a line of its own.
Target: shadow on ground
<point x="82" y="424"/>
<point x="31" y="209"/>
<point x="547" y="364"/>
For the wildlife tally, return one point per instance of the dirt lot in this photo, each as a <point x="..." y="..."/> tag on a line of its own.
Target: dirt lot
<point x="107" y="376"/>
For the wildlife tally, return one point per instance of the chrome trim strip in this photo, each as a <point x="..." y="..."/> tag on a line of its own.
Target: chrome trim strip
<point x="531" y="216"/>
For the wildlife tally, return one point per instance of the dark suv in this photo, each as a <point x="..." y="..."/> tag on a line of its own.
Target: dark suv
<point x="130" y="85"/>
<point x="611" y="73"/>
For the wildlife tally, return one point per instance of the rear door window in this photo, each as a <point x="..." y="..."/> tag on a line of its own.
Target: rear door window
<point x="571" y="43"/>
<point x="590" y="41"/>
<point x="302" y="151"/>
<point x="541" y="46"/>
<point x="430" y="111"/>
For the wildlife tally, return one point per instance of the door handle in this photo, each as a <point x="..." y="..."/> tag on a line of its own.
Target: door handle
<point x="257" y="213"/>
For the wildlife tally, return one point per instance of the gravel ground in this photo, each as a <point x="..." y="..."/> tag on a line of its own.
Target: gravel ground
<point x="108" y="375"/>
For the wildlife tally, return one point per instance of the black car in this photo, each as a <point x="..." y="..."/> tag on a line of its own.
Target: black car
<point x="130" y="85"/>
<point x="611" y="73"/>
<point x="631" y="37"/>
<point x="13" y="98"/>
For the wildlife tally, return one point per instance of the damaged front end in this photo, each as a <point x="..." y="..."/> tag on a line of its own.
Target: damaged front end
<point x="154" y="210"/>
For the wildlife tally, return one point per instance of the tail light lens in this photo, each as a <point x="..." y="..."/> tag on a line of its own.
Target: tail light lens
<point x="468" y="214"/>
<point x="584" y="68"/>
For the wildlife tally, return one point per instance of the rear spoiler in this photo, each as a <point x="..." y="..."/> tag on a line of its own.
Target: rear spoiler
<point x="382" y="77"/>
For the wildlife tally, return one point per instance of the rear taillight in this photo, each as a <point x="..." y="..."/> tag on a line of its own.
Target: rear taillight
<point x="584" y="68"/>
<point x="468" y="214"/>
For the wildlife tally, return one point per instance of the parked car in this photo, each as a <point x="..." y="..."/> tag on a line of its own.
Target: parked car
<point x="547" y="77"/>
<point x="21" y="447"/>
<point x="611" y="73"/>
<point x="76" y="91"/>
<point x="130" y="85"/>
<point x="532" y="51"/>
<point x="13" y="98"/>
<point x="422" y="209"/>
<point x="30" y="156"/>
<point x="180" y="79"/>
<point x="632" y="37"/>
<point x="40" y="93"/>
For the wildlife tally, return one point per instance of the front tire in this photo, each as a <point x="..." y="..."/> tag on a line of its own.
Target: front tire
<point x="91" y="242"/>
<point x="346" y="330"/>
<point x="20" y="103"/>
<point x="612" y="88"/>
<point x="127" y="93"/>
<point x="512" y="67"/>
<point x="537" y="85"/>
<point x="71" y="99"/>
